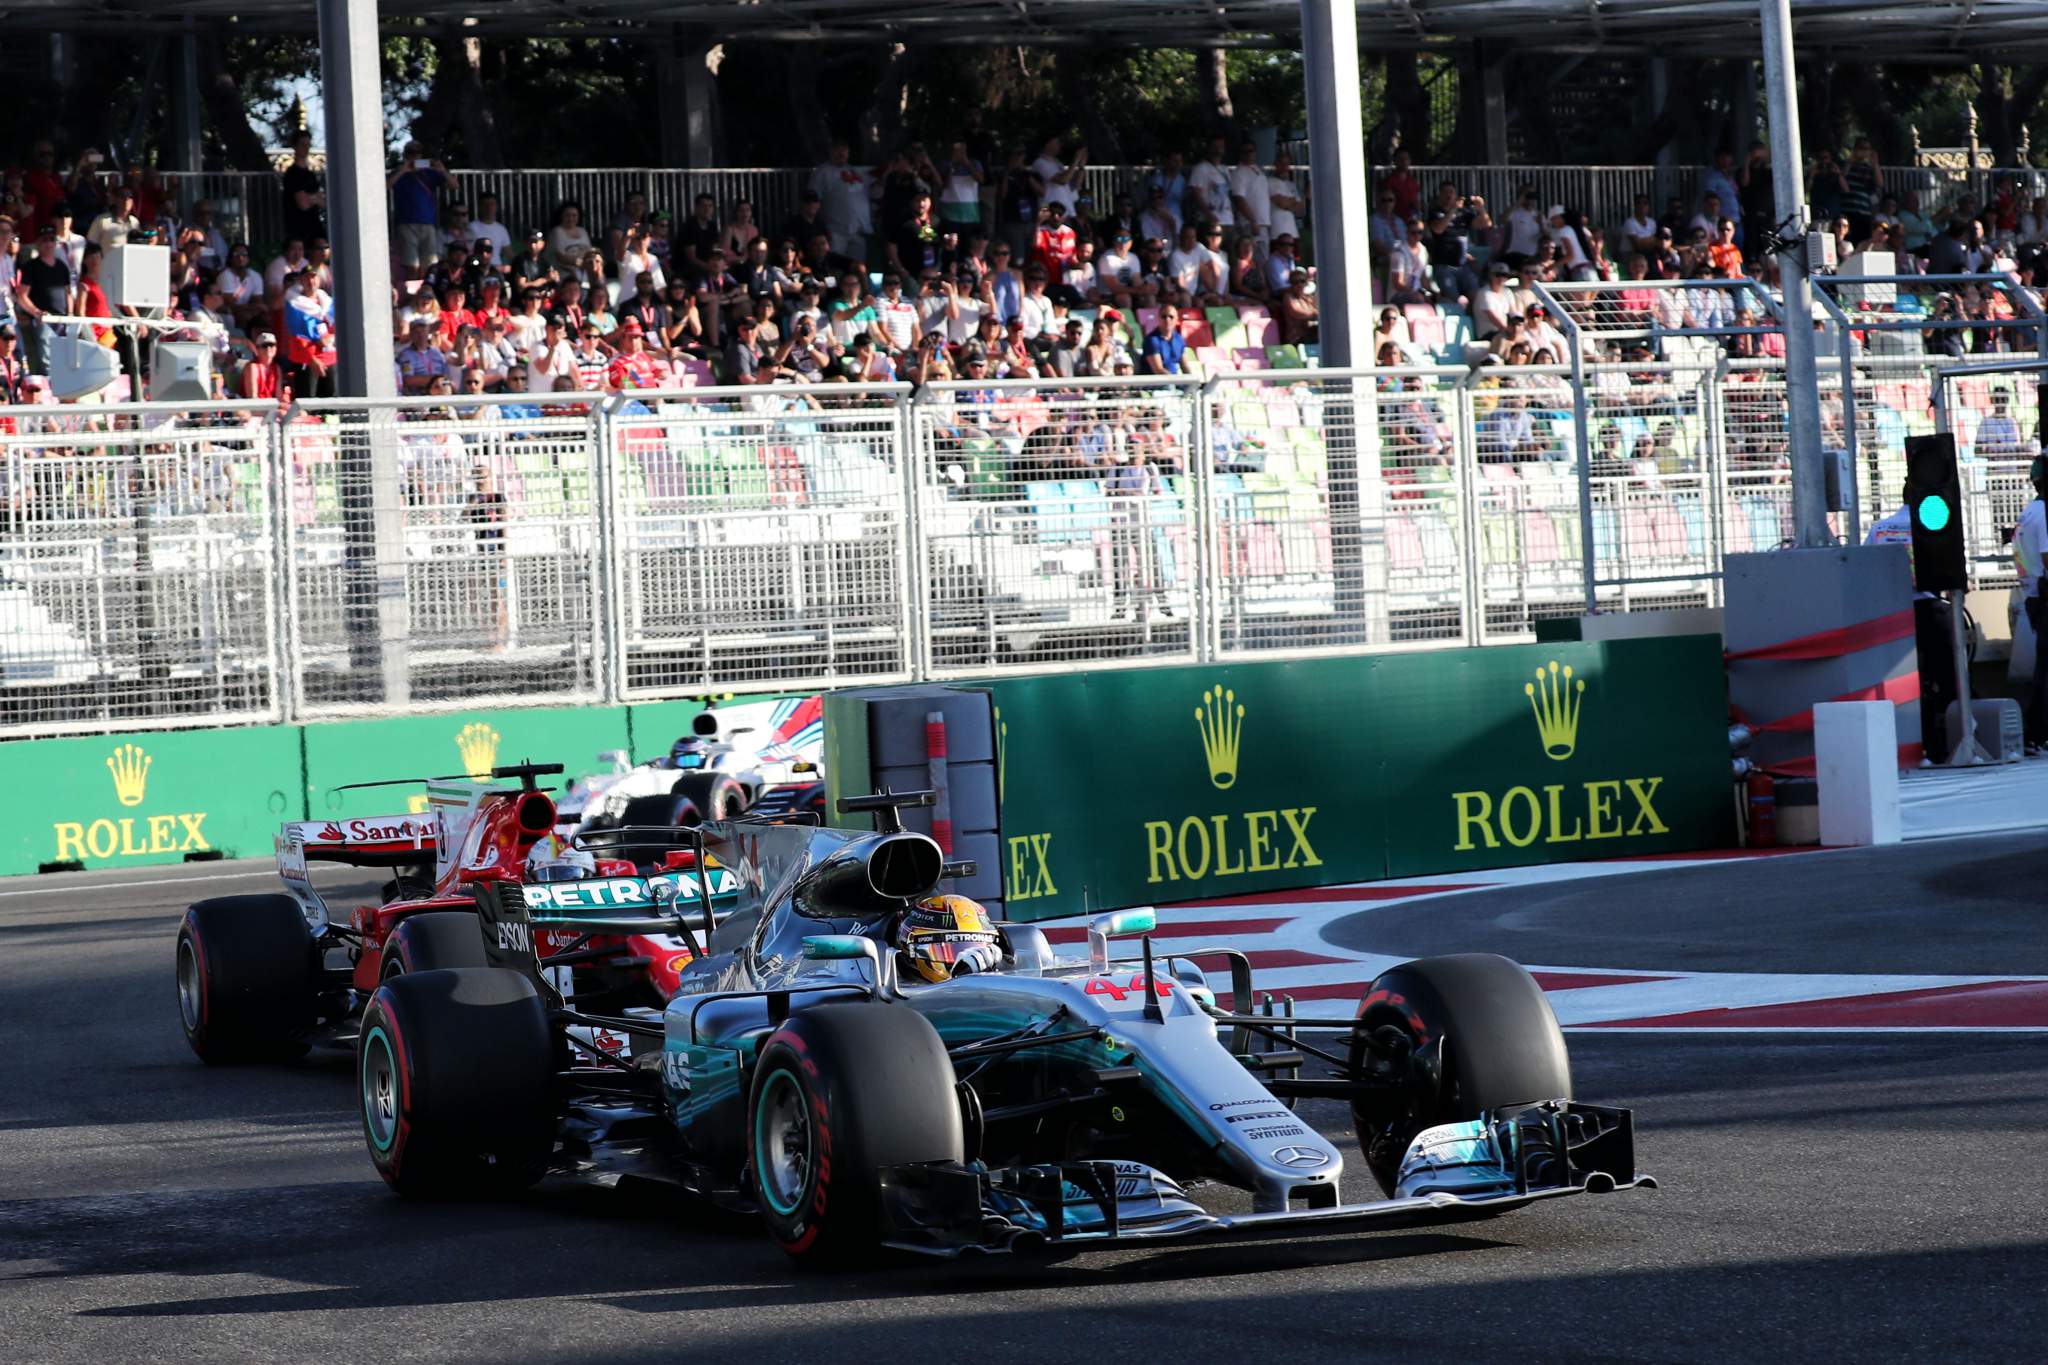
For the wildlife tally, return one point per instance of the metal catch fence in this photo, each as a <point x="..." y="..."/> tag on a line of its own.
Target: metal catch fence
<point x="137" y="567"/>
<point x="757" y="538"/>
<point x="459" y="535"/>
<point x="165" y="566"/>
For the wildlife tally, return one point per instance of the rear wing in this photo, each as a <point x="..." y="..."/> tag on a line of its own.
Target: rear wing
<point x="370" y="841"/>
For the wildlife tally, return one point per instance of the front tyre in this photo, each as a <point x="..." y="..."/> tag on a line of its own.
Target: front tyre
<point x="840" y="1093"/>
<point x="1472" y="1032"/>
<point x="455" y="1077"/>
<point x="248" y="974"/>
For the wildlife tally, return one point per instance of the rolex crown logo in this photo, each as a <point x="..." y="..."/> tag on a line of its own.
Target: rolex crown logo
<point x="1556" y="697"/>
<point x="1221" y="720"/>
<point x="130" y="767"/>
<point x="478" y="744"/>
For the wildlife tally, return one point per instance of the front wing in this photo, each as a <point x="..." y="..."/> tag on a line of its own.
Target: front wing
<point x="1494" y="1164"/>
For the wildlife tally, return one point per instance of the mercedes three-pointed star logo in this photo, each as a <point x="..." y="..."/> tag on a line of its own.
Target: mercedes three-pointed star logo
<point x="1300" y="1156"/>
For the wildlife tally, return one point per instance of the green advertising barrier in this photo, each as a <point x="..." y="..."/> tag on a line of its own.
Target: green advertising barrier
<point x="132" y="800"/>
<point x="1176" y="784"/>
<point x="160" y="797"/>
<point x="444" y="744"/>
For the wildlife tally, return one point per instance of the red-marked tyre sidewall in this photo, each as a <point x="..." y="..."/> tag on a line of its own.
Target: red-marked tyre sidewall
<point x="387" y="1124"/>
<point x="1498" y="1040"/>
<point x="455" y="1081"/>
<point x="874" y="1088"/>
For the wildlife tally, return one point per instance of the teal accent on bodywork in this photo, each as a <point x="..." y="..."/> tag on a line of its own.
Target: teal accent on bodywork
<point x="378" y="1040"/>
<point x="776" y="1078"/>
<point x="613" y="897"/>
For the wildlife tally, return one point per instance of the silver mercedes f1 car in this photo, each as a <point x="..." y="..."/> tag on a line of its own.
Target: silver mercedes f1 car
<point x="1047" y="1106"/>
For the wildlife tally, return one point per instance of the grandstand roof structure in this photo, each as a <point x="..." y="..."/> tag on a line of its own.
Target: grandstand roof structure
<point x="1936" y="31"/>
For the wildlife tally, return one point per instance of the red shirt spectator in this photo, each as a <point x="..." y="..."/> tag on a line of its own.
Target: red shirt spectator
<point x="44" y="186"/>
<point x="1407" y="190"/>
<point x="260" y="377"/>
<point x="491" y="306"/>
<point x="455" y="316"/>
<point x="635" y="367"/>
<point x="1056" y="246"/>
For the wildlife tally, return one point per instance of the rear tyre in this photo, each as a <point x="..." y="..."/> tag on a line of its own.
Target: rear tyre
<point x="1479" y="1035"/>
<point x="455" y="1079"/>
<point x="248" y="975"/>
<point x="433" y="941"/>
<point x="715" y="796"/>
<point x="840" y="1092"/>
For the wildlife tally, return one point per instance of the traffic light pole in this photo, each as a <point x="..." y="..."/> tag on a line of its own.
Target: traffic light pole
<point x="1966" y="752"/>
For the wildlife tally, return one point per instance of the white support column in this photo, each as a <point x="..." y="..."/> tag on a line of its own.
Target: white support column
<point x="1337" y="174"/>
<point x="1340" y="205"/>
<point x="1802" y="385"/>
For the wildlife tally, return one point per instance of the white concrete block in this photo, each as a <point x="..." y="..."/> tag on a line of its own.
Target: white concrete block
<point x="1855" y="746"/>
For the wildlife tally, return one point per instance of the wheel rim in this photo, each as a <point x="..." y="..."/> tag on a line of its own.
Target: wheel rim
<point x="782" y="1142"/>
<point x="380" y="1090"/>
<point x="191" y="994"/>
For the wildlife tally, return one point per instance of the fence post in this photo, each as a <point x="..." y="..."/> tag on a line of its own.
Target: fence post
<point x="1205" y="617"/>
<point x="1465" y="452"/>
<point x="914" y="577"/>
<point x="1582" y="449"/>
<point x="1716" y="484"/>
<point x="284" y="569"/>
<point x="608" y="595"/>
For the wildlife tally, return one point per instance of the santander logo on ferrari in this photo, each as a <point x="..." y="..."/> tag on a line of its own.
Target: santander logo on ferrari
<point x="372" y="832"/>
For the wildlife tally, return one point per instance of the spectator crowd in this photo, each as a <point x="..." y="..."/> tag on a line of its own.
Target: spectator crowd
<point x="919" y="269"/>
<point x="1455" y="255"/>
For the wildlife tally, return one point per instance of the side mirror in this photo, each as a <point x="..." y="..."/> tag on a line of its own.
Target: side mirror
<point x="846" y="947"/>
<point x="1121" y="924"/>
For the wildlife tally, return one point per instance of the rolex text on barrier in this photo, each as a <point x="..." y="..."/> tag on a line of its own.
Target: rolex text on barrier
<point x="133" y="800"/>
<point x="1175" y="784"/>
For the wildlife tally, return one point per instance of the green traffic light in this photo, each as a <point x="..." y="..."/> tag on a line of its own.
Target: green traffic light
<point x="1933" y="512"/>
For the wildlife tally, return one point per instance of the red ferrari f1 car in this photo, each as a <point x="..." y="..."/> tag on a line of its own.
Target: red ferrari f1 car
<point x="269" y="977"/>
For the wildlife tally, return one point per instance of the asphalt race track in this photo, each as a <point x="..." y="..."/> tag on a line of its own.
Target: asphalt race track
<point x="1864" y="1196"/>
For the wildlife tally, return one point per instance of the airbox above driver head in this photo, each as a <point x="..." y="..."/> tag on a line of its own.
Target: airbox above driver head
<point x="890" y="866"/>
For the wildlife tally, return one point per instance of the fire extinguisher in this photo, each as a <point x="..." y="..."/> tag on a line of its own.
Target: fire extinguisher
<point x="1763" y="811"/>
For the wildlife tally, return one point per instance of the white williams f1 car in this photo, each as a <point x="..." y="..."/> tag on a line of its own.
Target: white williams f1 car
<point x="830" y="1062"/>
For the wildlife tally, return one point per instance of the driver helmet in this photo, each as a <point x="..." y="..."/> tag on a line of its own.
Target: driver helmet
<point x="941" y="937"/>
<point x="687" y="744"/>
<point x="560" y="865"/>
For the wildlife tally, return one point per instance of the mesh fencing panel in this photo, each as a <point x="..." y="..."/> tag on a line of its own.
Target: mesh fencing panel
<point x="455" y="545"/>
<point x="760" y="538"/>
<point x="136" y="567"/>
<point x="1996" y="421"/>
<point x="1058" y="523"/>
<point x="1327" y="538"/>
<point x="163" y="567"/>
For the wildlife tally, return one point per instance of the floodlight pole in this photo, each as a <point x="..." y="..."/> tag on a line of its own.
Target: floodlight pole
<point x="1802" y="382"/>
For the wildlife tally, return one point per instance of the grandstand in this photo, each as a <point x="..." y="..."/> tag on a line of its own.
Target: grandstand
<point x="929" y="420"/>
